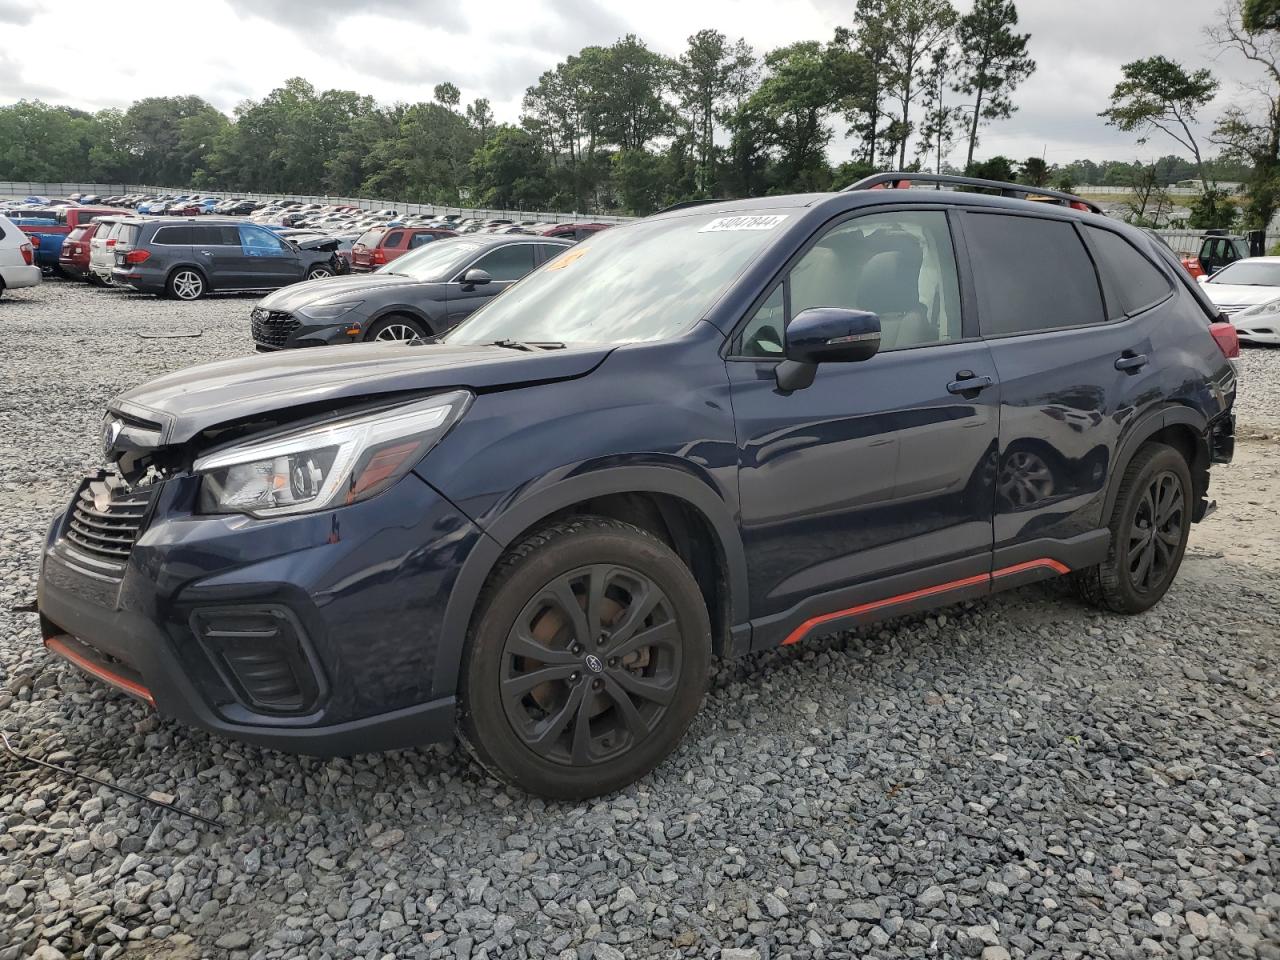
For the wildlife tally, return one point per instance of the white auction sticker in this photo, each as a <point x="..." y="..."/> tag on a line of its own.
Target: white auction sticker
<point x="759" y="222"/>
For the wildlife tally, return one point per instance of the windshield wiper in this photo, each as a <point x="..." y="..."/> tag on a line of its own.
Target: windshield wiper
<point x="522" y="345"/>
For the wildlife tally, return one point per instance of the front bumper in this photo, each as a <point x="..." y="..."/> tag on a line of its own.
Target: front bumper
<point x="275" y="330"/>
<point x="358" y="593"/>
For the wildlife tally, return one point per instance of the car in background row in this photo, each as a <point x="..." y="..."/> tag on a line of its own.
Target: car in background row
<point x="1217" y="249"/>
<point x="422" y="294"/>
<point x="102" y="253"/>
<point x="188" y="259"/>
<point x="17" y="258"/>
<point x="1248" y="294"/>
<point x="378" y="246"/>
<point x="48" y="229"/>
<point x="73" y="260"/>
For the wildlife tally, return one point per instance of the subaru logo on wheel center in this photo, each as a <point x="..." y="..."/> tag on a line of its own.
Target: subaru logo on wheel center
<point x="593" y="663"/>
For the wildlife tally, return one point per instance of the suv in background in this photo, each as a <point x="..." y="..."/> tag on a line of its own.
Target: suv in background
<point x="378" y="246"/>
<point x="17" y="258"/>
<point x="715" y="430"/>
<point x="1218" y="249"/>
<point x="102" y="248"/>
<point x="189" y="258"/>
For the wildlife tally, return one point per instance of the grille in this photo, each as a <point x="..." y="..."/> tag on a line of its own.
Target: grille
<point x="271" y="328"/>
<point x="107" y="519"/>
<point x="1232" y="309"/>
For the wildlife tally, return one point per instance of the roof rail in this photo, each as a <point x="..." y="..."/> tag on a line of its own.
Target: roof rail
<point x="1018" y="190"/>
<point x="685" y="204"/>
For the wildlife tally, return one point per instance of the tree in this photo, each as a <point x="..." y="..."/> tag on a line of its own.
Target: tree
<point x="1035" y="172"/>
<point x="1160" y="94"/>
<point x="915" y="28"/>
<point x="1253" y="135"/>
<point x="997" y="168"/>
<point x="447" y="95"/>
<point x="869" y="42"/>
<point x="712" y="73"/>
<point x="480" y="116"/>
<point x="938" y="131"/>
<point x="511" y="171"/>
<point x="153" y="134"/>
<point x="1261" y="15"/>
<point x="993" y="62"/>
<point x="1149" y="201"/>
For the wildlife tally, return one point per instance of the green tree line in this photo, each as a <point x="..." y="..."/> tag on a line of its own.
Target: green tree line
<point x="610" y="128"/>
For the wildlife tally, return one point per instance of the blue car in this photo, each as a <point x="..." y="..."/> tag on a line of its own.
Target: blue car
<point x="717" y="430"/>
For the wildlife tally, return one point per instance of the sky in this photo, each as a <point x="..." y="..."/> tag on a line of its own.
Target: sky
<point x="397" y="50"/>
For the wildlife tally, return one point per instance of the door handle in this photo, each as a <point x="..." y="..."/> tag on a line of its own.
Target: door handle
<point x="968" y="383"/>
<point x="1131" y="362"/>
<point x="205" y="253"/>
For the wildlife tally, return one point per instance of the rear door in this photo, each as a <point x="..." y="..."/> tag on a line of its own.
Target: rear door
<point x="170" y="246"/>
<point x="505" y="264"/>
<point x="1073" y="371"/>
<point x="220" y="255"/>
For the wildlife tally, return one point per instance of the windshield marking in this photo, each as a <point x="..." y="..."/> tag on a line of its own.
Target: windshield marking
<point x="759" y="222"/>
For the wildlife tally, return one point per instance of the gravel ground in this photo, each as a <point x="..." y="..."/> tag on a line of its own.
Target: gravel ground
<point x="1020" y="777"/>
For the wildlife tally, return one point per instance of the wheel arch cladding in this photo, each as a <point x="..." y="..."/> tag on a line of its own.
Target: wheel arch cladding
<point x="1180" y="427"/>
<point x="682" y="511"/>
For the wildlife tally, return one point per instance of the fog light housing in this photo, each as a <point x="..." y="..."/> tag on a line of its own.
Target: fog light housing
<point x="262" y="655"/>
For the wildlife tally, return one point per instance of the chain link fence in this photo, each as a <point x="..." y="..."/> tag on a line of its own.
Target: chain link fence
<point x="18" y="190"/>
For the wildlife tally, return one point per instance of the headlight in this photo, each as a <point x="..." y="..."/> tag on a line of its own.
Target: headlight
<point x="327" y="465"/>
<point x="1262" y="308"/>
<point x="331" y="311"/>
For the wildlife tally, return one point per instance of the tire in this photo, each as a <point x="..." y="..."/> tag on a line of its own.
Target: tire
<point x="1144" y="556"/>
<point x="186" y="283"/>
<point x="619" y="576"/>
<point x="319" y="272"/>
<point x="398" y="327"/>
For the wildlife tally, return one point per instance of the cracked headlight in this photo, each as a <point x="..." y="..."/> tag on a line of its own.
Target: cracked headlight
<point x="326" y="465"/>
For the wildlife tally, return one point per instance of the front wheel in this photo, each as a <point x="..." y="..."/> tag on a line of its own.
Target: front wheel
<point x="1149" y="527"/>
<point x="319" y="272"/>
<point x="587" y="661"/>
<point x="398" y="327"/>
<point x="186" y="284"/>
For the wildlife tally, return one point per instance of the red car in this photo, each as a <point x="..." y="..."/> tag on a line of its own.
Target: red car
<point x="381" y="245"/>
<point x="74" y="256"/>
<point x="574" y="231"/>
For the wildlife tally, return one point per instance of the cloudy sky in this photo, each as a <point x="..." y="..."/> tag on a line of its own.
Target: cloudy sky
<point x="227" y="50"/>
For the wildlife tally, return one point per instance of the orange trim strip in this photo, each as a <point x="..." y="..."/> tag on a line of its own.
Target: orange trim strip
<point x="98" y="671"/>
<point x="800" y="632"/>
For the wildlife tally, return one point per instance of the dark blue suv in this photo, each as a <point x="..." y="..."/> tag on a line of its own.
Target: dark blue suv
<point x="716" y="430"/>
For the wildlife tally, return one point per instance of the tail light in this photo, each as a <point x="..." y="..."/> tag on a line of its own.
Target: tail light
<point x="28" y="254"/>
<point x="34" y="241"/>
<point x="1225" y="336"/>
<point x="378" y="256"/>
<point x="111" y="242"/>
<point x="137" y="256"/>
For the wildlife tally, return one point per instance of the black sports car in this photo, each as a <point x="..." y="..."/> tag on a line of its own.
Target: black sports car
<point x="418" y="295"/>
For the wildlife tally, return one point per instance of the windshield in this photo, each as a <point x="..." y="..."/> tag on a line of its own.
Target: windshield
<point x="1249" y="274"/>
<point x="434" y="263"/>
<point x="643" y="281"/>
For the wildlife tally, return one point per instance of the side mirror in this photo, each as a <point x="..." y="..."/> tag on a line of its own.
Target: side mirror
<point x="475" y="277"/>
<point x="826" y="335"/>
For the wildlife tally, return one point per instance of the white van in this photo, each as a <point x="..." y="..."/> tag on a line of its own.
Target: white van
<point x="102" y="254"/>
<point x="17" y="258"/>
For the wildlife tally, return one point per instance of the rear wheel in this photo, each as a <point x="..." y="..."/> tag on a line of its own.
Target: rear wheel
<point x="186" y="283"/>
<point x="319" y="272"/>
<point x="1149" y="527"/>
<point x="587" y="661"/>
<point x="398" y="327"/>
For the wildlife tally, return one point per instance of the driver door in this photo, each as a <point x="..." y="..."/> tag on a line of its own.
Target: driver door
<point x="505" y="264"/>
<point x="877" y="479"/>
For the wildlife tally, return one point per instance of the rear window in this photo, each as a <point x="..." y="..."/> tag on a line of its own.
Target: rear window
<point x="218" y="236"/>
<point x="370" y="238"/>
<point x="173" y="236"/>
<point x="125" y="233"/>
<point x="1031" y="275"/>
<point x="77" y="233"/>
<point x="1132" y="279"/>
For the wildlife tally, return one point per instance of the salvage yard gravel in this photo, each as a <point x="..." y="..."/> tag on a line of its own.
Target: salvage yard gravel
<point x="1020" y="777"/>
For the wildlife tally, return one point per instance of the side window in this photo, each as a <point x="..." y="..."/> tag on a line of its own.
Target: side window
<point x="257" y="242"/>
<point x="549" y="251"/>
<point x="420" y="239"/>
<point x="1031" y="275"/>
<point x="1132" y="280"/>
<point x="507" y="263"/>
<point x="394" y="239"/>
<point x="900" y="266"/>
<point x="762" y="336"/>
<point x="173" y="236"/>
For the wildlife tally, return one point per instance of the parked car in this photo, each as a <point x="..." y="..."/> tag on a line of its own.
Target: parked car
<point x="420" y="295"/>
<point x="715" y="430"/>
<point x="49" y="230"/>
<point x="1248" y="294"/>
<point x="1217" y="250"/>
<point x="381" y="245"/>
<point x="73" y="260"/>
<point x="17" y="258"/>
<point x="102" y="248"/>
<point x="187" y="259"/>
<point x="574" y="231"/>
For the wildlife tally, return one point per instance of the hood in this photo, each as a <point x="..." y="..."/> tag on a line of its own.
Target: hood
<point x="186" y="402"/>
<point x="329" y="290"/>
<point x="1239" y="295"/>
